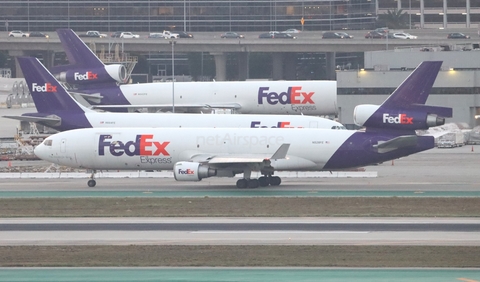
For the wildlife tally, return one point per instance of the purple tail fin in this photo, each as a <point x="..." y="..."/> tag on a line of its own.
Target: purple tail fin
<point x="86" y="70"/>
<point x="48" y="94"/>
<point x="78" y="54"/>
<point x="416" y="88"/>
<point x="405" y="108"/>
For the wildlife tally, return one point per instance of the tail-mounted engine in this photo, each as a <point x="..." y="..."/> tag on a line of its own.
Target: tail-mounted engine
<point x="109" y="73"/>
<point x="413" y="118"/>
<point x="190" y="171"/>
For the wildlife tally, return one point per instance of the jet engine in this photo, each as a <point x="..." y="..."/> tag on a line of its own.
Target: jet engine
<point x="109" y="73"/>
<point x="191" y="171"/>
<point x="413" y="118"/>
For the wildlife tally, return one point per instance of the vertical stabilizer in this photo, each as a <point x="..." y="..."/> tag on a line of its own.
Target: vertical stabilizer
<point x="86" y="70"/>
<point x="48" y="94"/>
<point x="416" y="87"/>
<point x="405" y="108"/>
<point x="78" y="53"/>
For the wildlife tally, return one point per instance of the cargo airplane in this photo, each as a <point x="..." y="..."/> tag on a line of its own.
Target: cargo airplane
<point x="103" y="86"/>
<point x="58" y="110"/>
<point x="197" y="153"/>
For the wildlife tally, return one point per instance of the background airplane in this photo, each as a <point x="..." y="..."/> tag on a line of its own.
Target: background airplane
<point x="58" y="110"/>
<point x="197" y="153"/>
<point x="102" y="86"/>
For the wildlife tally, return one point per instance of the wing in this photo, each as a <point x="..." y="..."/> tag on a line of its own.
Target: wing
<point x="258" y="161"/>
<point x="168" y="107"/>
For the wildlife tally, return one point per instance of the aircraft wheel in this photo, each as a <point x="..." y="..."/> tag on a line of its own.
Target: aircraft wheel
<point x="253" y="183"/>
<point x="91" y="183"/>
<point x="242" y="183"/>
<point x="275" y="181"/>
<point x="263" y="181"/>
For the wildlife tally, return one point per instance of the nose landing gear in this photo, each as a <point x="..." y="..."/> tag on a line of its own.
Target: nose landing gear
<point x="91" y="182"/>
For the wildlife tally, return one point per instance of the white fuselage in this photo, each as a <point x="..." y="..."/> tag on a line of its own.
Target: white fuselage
<point x="253" y="97"/>
<point x="107" y="119"/>
<point x="161" y="148"/>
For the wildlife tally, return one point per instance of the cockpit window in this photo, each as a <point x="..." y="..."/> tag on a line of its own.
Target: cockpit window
<point x="47" y="142"/>
<point x="338" y="127"/>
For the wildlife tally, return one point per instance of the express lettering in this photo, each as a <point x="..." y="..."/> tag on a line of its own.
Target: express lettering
<point x="280" y="124"/>
<point x="142" y="146"/>
<point x="44" y="88"/>
<point x="400" y="119"/>
<point x="294" y="95"/>
<point x="154" y="160"/>
<point x="85" y="76"/>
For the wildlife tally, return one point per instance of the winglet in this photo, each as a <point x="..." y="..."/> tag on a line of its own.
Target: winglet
<point x="281" y="152"/>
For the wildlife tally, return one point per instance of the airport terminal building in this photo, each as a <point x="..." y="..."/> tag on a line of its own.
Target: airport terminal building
<point x="187" y="15"/>
<point x="233" y="15"/>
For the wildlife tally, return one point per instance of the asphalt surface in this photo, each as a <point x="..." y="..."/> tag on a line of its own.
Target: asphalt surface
<point x="240" y="231"/>
<point x="437" y="170"/>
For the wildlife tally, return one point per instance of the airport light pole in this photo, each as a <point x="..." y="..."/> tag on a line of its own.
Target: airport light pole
<point x="409" y="14"/>
<point x="173" y="42"/>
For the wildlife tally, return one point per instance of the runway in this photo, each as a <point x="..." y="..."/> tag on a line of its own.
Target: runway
<point x="240" y="231"/>
<point x="435" y="173"/>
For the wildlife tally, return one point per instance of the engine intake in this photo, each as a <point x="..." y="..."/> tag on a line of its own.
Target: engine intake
<point x="192" y="171"/>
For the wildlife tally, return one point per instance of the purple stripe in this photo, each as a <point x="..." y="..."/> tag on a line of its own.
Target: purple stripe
<point x="358" y="150"/>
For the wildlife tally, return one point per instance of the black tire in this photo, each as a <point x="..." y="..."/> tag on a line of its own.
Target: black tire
<point x="275" y="181"/>
<point x="91" y="183"/>
<point x="263" y="181"/>
<point x="242" y="183"/>
<point x="253" y="183"/>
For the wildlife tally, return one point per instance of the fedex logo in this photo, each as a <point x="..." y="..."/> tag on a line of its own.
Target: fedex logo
<point x="280" y="124"/>
<point x="85" y="76"/>
<point x="294" y="95"/>
<point x="44" y="88"/>
<point x="400" y="119"/>
<point x="186" y="171"/>
<point x="142" y="146"/>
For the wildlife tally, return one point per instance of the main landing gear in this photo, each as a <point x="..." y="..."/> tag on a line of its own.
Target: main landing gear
<point x="262" y="181"/>
<point x="91" y="182"/>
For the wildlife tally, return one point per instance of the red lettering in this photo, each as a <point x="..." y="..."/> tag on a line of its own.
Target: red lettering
<point x="307" y="98"/>
<point x="51" y="88"/>
<point x="161" y="148"/>
<point x="144" y="143"/>
<point x="295" y="94"/>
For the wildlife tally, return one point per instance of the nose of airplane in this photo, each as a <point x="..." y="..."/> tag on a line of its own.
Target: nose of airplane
<point x="41" y="151"/>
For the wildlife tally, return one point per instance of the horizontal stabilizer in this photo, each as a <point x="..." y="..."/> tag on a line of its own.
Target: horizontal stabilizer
<point x="48" y="121"/>
<point x="396" y="143"/>
<point x="90" y="98"/>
